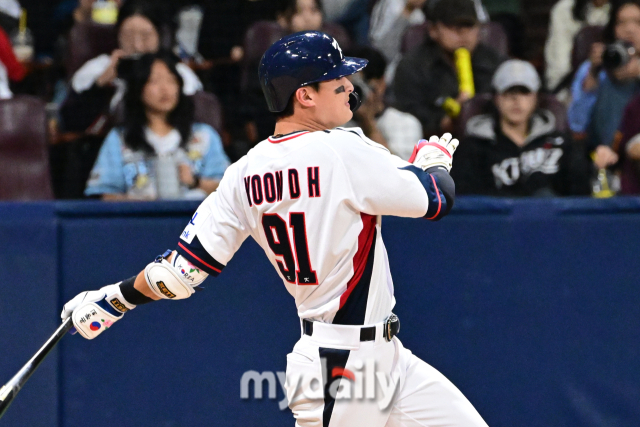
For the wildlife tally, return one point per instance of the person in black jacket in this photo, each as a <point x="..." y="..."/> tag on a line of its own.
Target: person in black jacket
<point x="517" y="150"/>
<point x="427" y="75"/>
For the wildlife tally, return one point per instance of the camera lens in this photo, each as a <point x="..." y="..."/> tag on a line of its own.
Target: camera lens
<point x="617" y="54"/>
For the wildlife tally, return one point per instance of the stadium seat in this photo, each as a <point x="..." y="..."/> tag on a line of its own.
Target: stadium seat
<point x="491" y="34"/>
<point x="413" y="36"/>
<point x="481" y="104"/>
<point x="86" y="41"/>
<point x="24" y="158"/>
<point x="582" y="44"/>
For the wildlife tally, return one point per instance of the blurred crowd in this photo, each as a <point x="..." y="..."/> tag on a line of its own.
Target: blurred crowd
<point x="153" y="99"/>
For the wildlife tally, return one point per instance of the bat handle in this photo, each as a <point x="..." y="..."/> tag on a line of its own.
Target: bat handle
<point x="10" y="389"/>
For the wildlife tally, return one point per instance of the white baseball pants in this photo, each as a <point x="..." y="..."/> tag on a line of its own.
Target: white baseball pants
<point x="334" y="380"/>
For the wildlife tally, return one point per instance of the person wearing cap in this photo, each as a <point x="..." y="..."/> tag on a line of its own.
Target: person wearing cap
<point x="427" y="74"/>
<point x="517" y="150"/>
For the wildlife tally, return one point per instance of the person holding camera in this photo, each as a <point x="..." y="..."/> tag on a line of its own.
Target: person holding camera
<point x="159" y="152"/>
<point x="607" y="82"/>
<point x="96" y="88"/>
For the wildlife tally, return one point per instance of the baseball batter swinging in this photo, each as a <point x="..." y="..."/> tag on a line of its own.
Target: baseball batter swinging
<point x="312" y="196"/>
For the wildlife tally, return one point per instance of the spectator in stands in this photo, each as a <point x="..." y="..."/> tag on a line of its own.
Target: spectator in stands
<point x="307" y="15"/>
<point x="10" y="68"/>
<point x="159" y="152"/>
<point x="70" y="12"/>
<point x="301" y="15"/>
<point x="352" y="15"/>
<point x="600" y="95"/>
<point x="389" y="21"/>
<point x="427" y="75"/>
<point x="10" y="11"/>
<point x="517" y="151"/>
<point x="394" y="129"/>
<point x="568" y="17"/>
<point x="627" y="146"/>
<point x="96" y="89"/>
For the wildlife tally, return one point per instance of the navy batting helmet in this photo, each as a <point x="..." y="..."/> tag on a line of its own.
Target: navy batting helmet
<point x="301" y="59"/>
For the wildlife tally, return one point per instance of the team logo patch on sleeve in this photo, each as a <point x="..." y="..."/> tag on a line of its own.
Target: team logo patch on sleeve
<point x="166" y="292"/>
<point x="118" y="305"/>
<point x="195" y="223"/>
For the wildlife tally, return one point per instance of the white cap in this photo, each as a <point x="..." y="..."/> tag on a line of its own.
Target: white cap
<point x="515" y="72"/>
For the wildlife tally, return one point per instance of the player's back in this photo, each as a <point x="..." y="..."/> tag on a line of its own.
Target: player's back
<point x="312" y="201"/>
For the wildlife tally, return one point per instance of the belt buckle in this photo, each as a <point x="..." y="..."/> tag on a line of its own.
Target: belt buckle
<point x="391" y="327"/>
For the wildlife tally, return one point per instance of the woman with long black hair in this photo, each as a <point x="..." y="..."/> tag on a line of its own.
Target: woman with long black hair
<point x="159" y="152"/>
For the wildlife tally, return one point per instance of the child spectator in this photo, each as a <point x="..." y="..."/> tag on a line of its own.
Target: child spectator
<point x="568" y="17"/>
<point x="96" y="88"/>
<point x="427" y="75"/>
<point x="600" y="95"/>
<point x="159" y="152"/>
<point x="517" y="151"/>
<point x="394" y="129"/>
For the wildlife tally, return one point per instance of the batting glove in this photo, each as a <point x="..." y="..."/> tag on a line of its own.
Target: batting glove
<point x="434" y="152"/>
<point x="93" y="312"/>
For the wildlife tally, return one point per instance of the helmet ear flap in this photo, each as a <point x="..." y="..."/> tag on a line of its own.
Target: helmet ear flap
<point x="354" y="101"/>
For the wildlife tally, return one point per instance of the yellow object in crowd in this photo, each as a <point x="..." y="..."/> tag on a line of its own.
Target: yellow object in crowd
<point x="465" y="72"/>
<point x="105" y="12"/>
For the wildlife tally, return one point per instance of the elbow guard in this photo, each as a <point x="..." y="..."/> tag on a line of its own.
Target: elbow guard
<point x="173" y="280"/>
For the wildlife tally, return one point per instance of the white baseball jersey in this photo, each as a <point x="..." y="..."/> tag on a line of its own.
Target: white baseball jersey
<point x="313" y="201"/>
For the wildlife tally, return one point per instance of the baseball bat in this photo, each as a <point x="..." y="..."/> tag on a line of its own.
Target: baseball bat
<point x="9" y="391"/>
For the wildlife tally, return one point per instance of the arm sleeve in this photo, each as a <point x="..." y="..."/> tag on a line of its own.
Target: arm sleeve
<point x="215" y="161"/>
<point x="579" y="113"/>
<point x="216" y="231"/>
<point x="383" y="184"/>
<point x="107" y="175"/>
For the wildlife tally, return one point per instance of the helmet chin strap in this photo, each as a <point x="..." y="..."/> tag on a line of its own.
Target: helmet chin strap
<point x="354" y="101"/>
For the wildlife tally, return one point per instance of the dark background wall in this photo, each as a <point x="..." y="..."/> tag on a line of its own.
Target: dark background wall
<point x="530" y="307"/>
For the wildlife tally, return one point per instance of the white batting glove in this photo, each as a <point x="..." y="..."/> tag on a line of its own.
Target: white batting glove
<point x="434" y="152"/>
<point x="93" y="312"/>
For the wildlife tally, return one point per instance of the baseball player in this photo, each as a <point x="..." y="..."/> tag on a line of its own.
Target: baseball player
<point x="312" y="196"/>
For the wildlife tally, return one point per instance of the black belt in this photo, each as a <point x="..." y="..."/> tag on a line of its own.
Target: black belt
<point x="367" y="333"/>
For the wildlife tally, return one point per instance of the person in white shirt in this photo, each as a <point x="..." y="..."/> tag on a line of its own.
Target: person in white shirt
<point x="96" y="88"/>
<point x="568" y="17"/>
<point x="312" y="196"/>
<point x="396" y="130"/>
